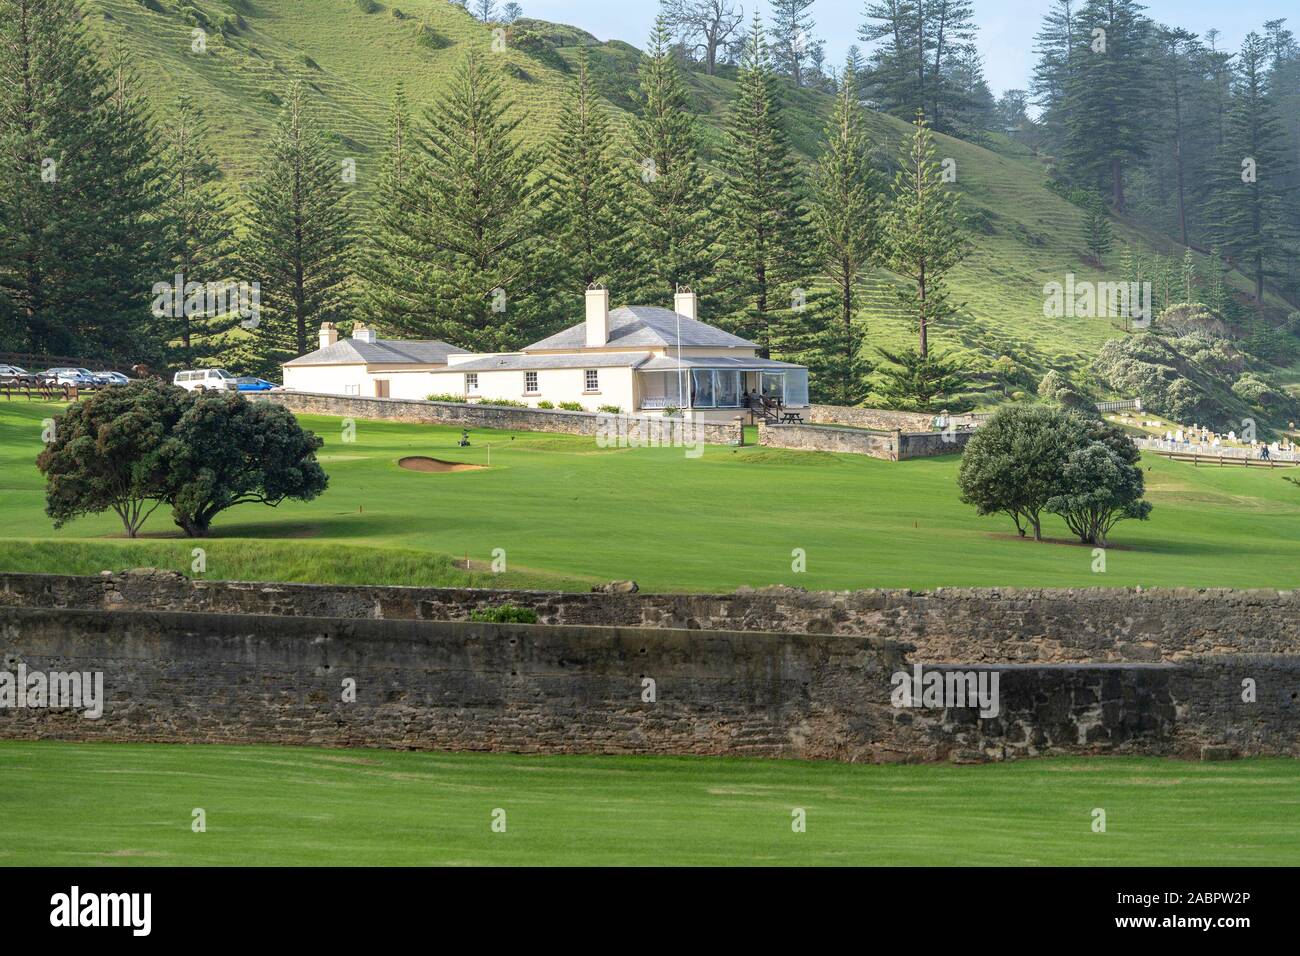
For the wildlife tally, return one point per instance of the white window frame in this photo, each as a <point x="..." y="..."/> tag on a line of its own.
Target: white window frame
<point x="471" y="383"/>
<point x="531" y="385"/>
<point x="352" y="390"/>
<point x="591" y="381"/>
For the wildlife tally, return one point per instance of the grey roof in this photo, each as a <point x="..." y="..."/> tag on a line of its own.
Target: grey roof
<point x="497" y="363"/>
<point x="381" y="352"/>
<point x="668" y="363"/>
<point x="645" y="325"/>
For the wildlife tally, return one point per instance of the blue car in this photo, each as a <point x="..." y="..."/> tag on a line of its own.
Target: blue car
<point x="250" y="384"/>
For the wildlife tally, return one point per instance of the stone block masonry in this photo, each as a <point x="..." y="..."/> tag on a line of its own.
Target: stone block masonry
<point x="960" y="625"/>
<point x="892" y="445"/>
<point x="437" y="685"/>
<point x="497" y="417"/>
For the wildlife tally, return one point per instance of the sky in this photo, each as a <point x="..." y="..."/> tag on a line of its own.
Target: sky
<point x="1006" y="27"/>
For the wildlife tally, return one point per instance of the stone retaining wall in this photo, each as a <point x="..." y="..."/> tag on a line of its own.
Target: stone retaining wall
<point x="479" y="416"/>
<point x="454" y="686"/>
<point x="974" y="625"/>
<point x="888" y="445"/>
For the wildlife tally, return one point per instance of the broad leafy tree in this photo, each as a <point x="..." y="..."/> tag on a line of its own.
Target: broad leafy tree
<point x="225" y="451"/>
<point x="108" y="453"/>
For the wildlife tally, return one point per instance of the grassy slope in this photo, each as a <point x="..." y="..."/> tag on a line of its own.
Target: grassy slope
<point x="1025" y="235"/>
<point x="568" y="513"/>
<point x="120" y="804"/>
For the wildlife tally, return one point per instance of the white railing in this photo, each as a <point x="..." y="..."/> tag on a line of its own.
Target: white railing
<point x="1215" y="451"/>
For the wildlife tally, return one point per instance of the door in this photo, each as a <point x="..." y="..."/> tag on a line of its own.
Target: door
<point x="381" y="388"/>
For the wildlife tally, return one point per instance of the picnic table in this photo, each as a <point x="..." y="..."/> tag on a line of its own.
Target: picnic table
<point x="791" y="418"/>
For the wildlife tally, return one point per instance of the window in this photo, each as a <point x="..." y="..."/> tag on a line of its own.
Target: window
<point x="593" y="380"/>
<point x="352" y="390"/>
<point x="530" y="383"/>
<point x="774" y="386"/>
<point x="471" y="383"/>
<point x="716" y="388"/>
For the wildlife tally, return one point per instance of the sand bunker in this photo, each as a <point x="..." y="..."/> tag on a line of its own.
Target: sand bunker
<point x="420" y="463"/>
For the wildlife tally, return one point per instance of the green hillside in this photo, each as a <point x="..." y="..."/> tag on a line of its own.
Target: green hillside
<point x="352" y="61"/>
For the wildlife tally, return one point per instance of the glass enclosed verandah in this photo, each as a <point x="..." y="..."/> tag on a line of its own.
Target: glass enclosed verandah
<point x="724" y="387"/>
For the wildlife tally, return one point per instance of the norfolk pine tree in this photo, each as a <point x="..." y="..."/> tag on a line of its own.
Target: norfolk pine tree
<point x="845" y="212"/>
<point x="672" y="231"/>
<point x="473" y="242"/>
<point x="584" y="191"/>
<point x="923" y="234"/>
<point x="766" y="266"/>
<point x="300" y="230"/>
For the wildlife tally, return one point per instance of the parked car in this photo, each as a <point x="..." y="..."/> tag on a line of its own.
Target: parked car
<point x="206" y="378"/>
<point x="80" y="377"/>
<point x="13" y="375"/>
<point x="112" y="378"/>
<point x="252" y="384"/>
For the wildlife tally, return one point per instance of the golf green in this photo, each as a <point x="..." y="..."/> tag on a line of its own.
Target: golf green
<point x="558" y="511"/>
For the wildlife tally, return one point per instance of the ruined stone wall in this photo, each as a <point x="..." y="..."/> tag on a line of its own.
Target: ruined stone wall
<point x="966" y="625"/>
<point x="200" y="678"/>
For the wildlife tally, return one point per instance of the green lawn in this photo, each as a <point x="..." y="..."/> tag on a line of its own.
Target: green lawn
<point x="115" y="804"/>
<point x="567" y="514"/>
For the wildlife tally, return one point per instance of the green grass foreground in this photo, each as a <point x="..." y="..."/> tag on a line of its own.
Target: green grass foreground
<point x="131" y="804"/>
<point x="567" y="514"/>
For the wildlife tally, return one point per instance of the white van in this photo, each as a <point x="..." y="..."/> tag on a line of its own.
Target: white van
<point x="217" y="379"/>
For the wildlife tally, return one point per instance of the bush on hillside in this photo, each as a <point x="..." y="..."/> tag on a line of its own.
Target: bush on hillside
<point x="368" y="6"/>
<point x="1059" y="390"/>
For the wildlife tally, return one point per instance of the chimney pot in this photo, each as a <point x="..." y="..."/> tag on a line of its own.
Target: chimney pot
<point x="686" y="303"/>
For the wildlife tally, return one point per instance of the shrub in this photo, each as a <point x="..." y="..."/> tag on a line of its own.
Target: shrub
<point x="504" y="614"/>
<point x="611" y="409"/>
<point x="429" y="38"/>
<point x="672" y="411"/>
<point x="1059" y="390"/>
<point x="504" y="403"/>
<point x="571" y="406"/>
<point x="545" y="404"/>
<point x="368" y="6"/>
<point x="447" y="397"/>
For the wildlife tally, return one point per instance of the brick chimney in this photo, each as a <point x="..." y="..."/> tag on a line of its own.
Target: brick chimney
<point x="328" y="334"/>
<point x="686" y="303"/>
<point x="361" y="333"/>
<point x="597" y="317"/>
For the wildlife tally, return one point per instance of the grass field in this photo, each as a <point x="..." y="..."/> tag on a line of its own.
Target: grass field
<point x="567" y="514"/>
<point x="132" y="804"/>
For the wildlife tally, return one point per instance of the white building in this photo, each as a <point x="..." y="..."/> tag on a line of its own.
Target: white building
<point x="638" y="359"/>
<point x="366" y="365"/>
